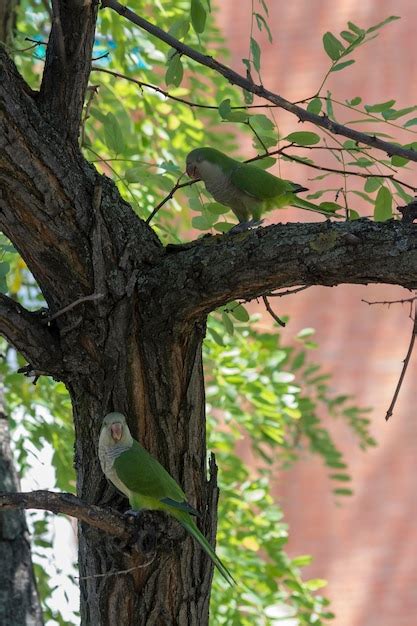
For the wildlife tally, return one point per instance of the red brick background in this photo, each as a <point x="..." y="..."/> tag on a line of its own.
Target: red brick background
<point x="365" y="545"/>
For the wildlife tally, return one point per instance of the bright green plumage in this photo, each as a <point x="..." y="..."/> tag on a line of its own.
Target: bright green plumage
<point x="247" y="189"/>
<point x="145" y="482"/>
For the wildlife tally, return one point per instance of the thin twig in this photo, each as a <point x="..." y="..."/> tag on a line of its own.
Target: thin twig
<point x="121" y="571"/>
<point x="170" y="195"/>
<point x="93" y="296"/>
<point x="93" y="89"/>
<point x="271" y="312"/>
<point x="287" y="292"/>
<point x="389" y="302"/>
<point x="404" y="368"/>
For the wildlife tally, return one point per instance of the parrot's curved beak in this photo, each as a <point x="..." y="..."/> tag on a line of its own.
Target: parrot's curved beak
<point x="116" y="431"/>
<point x="191" y="171"/>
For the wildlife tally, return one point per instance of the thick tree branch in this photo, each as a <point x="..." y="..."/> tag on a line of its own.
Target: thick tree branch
<point x="237" y="79"/>
<point x="214" y="270"/>
<point x="107" y="520"/>
<point x="67" y="66"/>
<point x="47" y="206"/>
<point x="26" y="332"/>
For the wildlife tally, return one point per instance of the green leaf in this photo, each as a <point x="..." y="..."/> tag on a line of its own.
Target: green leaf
<point x="303" y="138"/>
<point x="341" y="66"/>
<point x="356" y="29"/>
<point x="4" y="267"/>
<point x="239" y="312"/>
<point x="392" y="114"/>
<point x="343" y="491"/>
<point x="411" y="122"/>
<point x="341" y="477"/>
<point x="136" y="174"/>
<point x="353" y="215"/>
<point x="362" y="162"/>
<point x="314" y="106"/>
<point x="262" y="121"/>
<point x="333" y="47"/>
<point x="399" y="161"/>
<point x="261" y="22"/>
<point x="175" y="71"/>
<point x="228" y="324"/>
<point x="216" y="336"/>
<point x="383" y="205"/>
<point x="381" y="24"/>
<point x="266" y="162"/>
<point x="316" y="583"/>
<point x="179" y="29"/>
<point x="203" y="222"/>
<point x="302" y="560"/>
<point x="223" y="227"/>
<point x="305" y="332"/>
<point x="330" y="207"/>
<point x="378" y="108"/>
<point x="113" y="134"/>
<point x="216" y="208"/>
<point x="402" y="193"/>
<point x="238" y="116"/>
<point x="354" y="102"/>
<point x="348" y="36"/>
<point x="329" y="107"/>
<point x="224" y="108"/>
<point x="198" y="16"/>
<point x="373" y="183"/>
<point x="256" y="54"/>
<point x="265" y="7"/>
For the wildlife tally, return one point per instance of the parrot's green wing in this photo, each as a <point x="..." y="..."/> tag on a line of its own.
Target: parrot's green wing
<point x="144" y="475"/>
<point x="258" y="183"/>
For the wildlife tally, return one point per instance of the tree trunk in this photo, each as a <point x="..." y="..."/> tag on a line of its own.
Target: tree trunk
<point x="155" y="377"/>
<point x="19" y="602"/>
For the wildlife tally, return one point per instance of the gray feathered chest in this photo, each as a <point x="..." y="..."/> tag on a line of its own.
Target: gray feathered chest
<point x="219" y="184"/>
<point x="107" y="456"/>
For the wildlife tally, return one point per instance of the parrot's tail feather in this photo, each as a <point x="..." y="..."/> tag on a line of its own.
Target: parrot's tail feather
<point x="193" y="530"/>
<point x="298" y="188"/>
<point x="309" y="206"/>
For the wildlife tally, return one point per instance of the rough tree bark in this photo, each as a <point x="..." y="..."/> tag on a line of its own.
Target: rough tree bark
<point x="137" y="348"/>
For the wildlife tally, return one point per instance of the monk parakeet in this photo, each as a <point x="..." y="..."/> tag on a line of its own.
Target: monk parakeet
<point x="143" y="480"/>
<point x="247" y="189"/>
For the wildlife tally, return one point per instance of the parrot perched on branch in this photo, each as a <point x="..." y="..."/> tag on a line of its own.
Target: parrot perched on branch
<point x="247" y="189"/>
<point x="144" y="481"/>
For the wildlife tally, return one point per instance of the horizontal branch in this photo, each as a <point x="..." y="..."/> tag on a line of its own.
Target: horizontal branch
<point x="212" y="271"/>
<point x="30" y="336"/>
<point x="107" y="520"/>
<point x="237" y="79"/>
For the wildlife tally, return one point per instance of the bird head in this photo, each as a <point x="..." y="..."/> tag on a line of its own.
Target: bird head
<point x="198" y="159"/>
<point x="115" y="431"/>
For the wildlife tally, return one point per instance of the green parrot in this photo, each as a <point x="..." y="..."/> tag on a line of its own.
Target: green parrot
<point x="247" y="189"/>
<point x="144" y="481"/>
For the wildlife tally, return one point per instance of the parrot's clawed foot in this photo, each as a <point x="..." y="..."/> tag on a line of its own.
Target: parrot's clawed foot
<point x="242" y="226"/>
<point x="132" y="513"/>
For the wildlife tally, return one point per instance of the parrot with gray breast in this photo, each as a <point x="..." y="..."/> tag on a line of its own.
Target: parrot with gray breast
<point x="247" y="189"/>
<point x="147" y="484"/>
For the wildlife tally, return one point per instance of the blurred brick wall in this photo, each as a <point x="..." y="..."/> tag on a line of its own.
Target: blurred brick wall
<point x="366" y="545"/>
